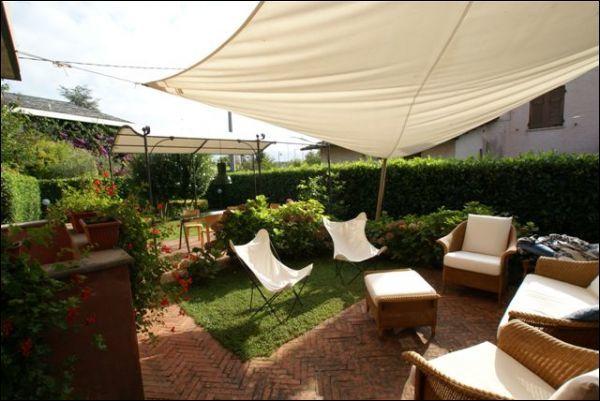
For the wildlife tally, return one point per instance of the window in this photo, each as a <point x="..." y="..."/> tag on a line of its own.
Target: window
<point x="548" y="110"/>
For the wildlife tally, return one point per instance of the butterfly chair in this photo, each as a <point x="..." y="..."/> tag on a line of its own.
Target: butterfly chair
<point x="264" y="268"/>
<point x="350" y="243"/>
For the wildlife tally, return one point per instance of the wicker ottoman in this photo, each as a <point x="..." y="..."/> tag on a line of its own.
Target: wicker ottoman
<point x="400" y="298"/>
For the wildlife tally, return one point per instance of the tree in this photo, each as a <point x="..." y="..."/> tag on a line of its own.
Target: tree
<point x="313" y="158"/>
<point x="80" y="96"/>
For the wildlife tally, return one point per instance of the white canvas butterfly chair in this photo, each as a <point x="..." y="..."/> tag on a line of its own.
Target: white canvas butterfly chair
<point x="350" y="243"/>
<point x="263" y="266"/>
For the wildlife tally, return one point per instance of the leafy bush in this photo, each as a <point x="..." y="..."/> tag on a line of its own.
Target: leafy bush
<point x="412" y="239"/>
<point x="173" y="176"/>
<point x="20" y="197"/>
<point x="558" y="192"/>
<point x="296" y="228"/>
<point x="31" y="308"/>
<point x="331" y="195"/>
<point x="53" y="189"/>
<point x="17" y="138"/>
<point x="59" y="160"/>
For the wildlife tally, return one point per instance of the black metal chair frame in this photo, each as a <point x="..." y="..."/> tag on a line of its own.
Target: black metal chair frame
<point x="339" y="266"/>
<point x="268" y="302"/>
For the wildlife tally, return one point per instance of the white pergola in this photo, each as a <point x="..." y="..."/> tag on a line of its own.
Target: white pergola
<point x="130" y="141"/>
<point x="390" y="79"/>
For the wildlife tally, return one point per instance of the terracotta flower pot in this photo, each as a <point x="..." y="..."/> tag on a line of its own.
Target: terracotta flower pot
<point x="103" y="234"/>
<point x="76" y="216"/>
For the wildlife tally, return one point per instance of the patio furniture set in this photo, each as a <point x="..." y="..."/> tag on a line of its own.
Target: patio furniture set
<point x="546" y="346"/>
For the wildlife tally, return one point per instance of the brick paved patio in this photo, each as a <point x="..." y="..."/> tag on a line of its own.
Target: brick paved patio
<point x="342" y="358"/>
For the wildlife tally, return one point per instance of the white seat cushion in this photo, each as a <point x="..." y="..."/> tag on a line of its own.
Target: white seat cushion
<point x="397" y="283"/>
<point x="593" y="287"/>
<point x="487" y="234"/>
<point x="487" y="367"/>
<point x="582" y="387"/>
<point x="548" y="297"/>
<point x="474" y="262"/>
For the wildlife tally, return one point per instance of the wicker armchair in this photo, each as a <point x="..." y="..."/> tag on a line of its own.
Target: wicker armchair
<point x="453" y="242"/>
<point x="550" y="360"/>
<point x="581" y="274"/>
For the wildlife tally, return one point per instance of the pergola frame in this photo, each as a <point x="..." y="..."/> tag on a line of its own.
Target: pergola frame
<point x="129" y="141"/>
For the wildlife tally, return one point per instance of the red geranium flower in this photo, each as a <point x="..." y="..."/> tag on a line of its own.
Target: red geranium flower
<point x="26" y="347"/>
<point x="130" y="246"/>
<point x="91" y="319"/>
<point x="165" y="249"/>
<point x="155" y="231"/>
<point x="86" y="293"/>
<point x="72" y="314"/>
<point x="7" y="328"/>
<point x="106" y="174"/>
<point x="77" y="279"/>
<point x="164" y="302"/>
<point x="97" y="182"/>
<point x="160" y="206"/>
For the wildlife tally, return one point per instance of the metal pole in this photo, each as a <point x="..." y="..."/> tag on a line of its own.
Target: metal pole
<point x="381" y="189"/>
<point x="146" y="131"/>
<point x="258" y="159"/>
<point x="329" y="177"/>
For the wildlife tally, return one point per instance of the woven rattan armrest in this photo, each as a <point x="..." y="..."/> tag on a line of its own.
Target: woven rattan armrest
<point x="554" y="361"/>
<point x="453" y="242"/>
<point x="452" y="389"/>
<point x="580" y="273"/>
<point x="546" y="321"/>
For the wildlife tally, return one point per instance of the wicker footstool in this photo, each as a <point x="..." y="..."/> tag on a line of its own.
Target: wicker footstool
<point x="400" y="298"/>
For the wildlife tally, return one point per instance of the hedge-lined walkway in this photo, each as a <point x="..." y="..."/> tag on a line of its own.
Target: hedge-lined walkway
<point x="342" y="358"/>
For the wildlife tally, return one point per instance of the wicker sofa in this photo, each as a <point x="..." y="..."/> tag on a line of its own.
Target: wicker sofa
<point x="556" y="289"/>
<point x="526" y="364"/>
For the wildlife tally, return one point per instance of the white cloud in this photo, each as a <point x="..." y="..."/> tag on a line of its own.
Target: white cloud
<point x="167" y="34"/>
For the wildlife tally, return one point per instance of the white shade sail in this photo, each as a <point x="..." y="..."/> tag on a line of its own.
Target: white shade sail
<point x="129" y="140"/>
<point x="392" y="78"/>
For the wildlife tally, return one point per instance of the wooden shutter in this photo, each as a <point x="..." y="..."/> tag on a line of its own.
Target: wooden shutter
<point x="548" y="110"/>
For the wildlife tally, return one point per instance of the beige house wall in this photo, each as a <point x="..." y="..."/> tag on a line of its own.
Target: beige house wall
<point x="510" y="135"/>
<point x="340" y="155"/>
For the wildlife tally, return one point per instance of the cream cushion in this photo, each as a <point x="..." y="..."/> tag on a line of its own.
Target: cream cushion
<point x="593" y="287"/>
<point x="484" y="366"/>
<point x="548" y="297"/>
<point x="487" y="234"/>
<point x="582" y="387"/>
<point x="397" y="283"/>
<point x="474" y="262"/>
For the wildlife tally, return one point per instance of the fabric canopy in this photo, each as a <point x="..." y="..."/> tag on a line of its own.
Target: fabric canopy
<point x="392" y="78"/>
<point x="130" y="141"/>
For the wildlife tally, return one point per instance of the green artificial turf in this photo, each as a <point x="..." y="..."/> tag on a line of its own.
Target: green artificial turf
<point x="221" y="307"/>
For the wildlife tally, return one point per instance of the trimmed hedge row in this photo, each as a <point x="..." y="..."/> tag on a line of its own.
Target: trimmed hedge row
<point x="52" y="189"/>
<point x="557" y="192"/>
<point x="20" y="197"/>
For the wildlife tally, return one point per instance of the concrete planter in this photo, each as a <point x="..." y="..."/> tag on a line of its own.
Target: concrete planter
<point x="74" y="217"/>
<point x="101" y="235"/>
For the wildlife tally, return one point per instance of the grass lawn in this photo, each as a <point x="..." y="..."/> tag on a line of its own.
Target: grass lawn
<point x="221" y="307"/>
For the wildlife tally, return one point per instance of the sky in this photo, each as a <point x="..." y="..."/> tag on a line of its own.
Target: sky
<point x="158" y="34"/>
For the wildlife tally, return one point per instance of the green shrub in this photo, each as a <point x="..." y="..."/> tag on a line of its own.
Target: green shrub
<point x="296" y="228"/>
<point x="412" y="239"/>
<point x="53" y="160"/>
<point x="558" y="192"/>
<point x="20" y="197"/>
<point x="53" y="189"/>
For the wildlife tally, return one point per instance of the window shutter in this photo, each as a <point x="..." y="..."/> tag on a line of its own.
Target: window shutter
<point x="548" y="110"/>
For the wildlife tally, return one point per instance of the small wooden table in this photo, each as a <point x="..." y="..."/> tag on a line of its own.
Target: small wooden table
<point x="400" y="298"/>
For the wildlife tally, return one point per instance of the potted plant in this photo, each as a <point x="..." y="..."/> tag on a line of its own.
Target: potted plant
<point x="75" y="216"/>
<point x="102" y="232"/>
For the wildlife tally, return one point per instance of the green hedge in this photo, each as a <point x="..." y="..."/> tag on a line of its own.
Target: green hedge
<point x="20" y="197"/>
<point x="557" y="192"/>
<point x="52" y="189"/>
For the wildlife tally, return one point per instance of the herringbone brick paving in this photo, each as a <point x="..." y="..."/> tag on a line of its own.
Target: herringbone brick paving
<point x="342" y="358"/>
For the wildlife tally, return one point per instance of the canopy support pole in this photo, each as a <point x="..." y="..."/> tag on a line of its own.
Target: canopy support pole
<point x="110" y="168"/>
<point x="381" y="189"/>
<point x="329" y="177"/>
<point x="146" y="131"/>
<point x="258" y="160"/>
